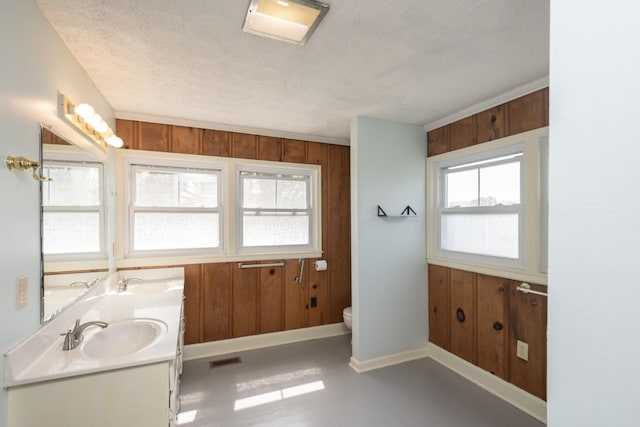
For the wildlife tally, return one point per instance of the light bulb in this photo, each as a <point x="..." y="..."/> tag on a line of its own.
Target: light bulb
<point x="94" y="120"/>
<point x="84" y="110"/>
<point x="101" y="127"/>
<point x="107" y="133"/>
<point x="114" y="141"/>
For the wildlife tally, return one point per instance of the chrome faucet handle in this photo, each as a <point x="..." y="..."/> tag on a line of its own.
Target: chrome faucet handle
<point x="123" y="283"/>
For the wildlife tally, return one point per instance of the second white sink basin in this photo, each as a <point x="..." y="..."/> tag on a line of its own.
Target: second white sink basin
<point x="122" y="337"/>
<point x="151" y="287"/>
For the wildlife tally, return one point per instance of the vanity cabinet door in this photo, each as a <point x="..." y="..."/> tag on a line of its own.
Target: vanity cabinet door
<point x="439" y="320"/>
<point x="493" y="325"/>
<point x="463" y="314"/>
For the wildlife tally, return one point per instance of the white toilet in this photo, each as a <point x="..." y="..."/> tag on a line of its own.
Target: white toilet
<point x="346" y="315"/>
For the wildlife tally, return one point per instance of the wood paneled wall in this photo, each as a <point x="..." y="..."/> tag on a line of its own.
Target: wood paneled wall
<point x="520" y="115"/>
<point x="223" y="301"/>
<point x="480" y="319"/>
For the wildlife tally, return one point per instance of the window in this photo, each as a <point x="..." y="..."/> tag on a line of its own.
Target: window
<point x="481" y="211"/>
<point x="175" y="209"/>
<point x="72" y="210"/>
<point x="275" y="210"/>
<point x="486" y="207"/>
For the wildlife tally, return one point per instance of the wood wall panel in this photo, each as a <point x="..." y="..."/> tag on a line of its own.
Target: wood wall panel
<point x="528" y="113"/>
<point x="192" y="303"/>
<point x="493" y="325"/>
<point x="294" y="151"/>
<point x="269" y="148"/>
<point x="438" y="141"/>
<point x="186" y="140"/>
<point x="491" y="124"/>
<point x="528" y="315"/>
<point x="462" y="133"/>
<point x="319" y="281"/>
<point x="439" y="307"/>
<point x="339" y="231"/>
<point x="270" y="299"/>
<point x="237" y="302"/>
<point x="520" y="115"/>
<point x="318" y="289"/>
<point x="244" y="302"/>
<point x="154" y="137"/>
<point x="128" y="131"/>
<point x="244" y="146"/>
<point x="296" y="295"/>
<point x="463" y="314"/>
<point x="216" y="304"/>
<point x="216" y="143"/>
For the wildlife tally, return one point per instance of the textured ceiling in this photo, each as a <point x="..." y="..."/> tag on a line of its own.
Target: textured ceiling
<point x="404" y="60"/>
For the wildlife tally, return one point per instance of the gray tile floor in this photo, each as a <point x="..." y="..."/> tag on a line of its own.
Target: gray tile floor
<point x="311" y="384"/>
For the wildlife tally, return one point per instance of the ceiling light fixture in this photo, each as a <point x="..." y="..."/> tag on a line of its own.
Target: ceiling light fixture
<point x="291" y="21"/>
<point x="90" y="123"/>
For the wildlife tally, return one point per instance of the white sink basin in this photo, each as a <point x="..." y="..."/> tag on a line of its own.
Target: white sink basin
<point x="153" y="287"/>
<point x="122" y="338"/>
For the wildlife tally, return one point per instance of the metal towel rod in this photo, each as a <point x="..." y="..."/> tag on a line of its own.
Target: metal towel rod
<point x="273" y="264"/>
<point x="526" y="288"/>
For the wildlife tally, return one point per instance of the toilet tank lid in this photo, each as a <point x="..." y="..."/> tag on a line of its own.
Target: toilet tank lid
<point x="347" y="311"/>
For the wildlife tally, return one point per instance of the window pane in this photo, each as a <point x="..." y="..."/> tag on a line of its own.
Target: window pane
<point x="275" y="229"/>
<point x="462" y="188"/>
<point x="157" y="231"/>
<point x="489" y="234"/>
<point x="274" y="193"/>
<point x="160" y="188"/>
<point x="500" y="184"/>
<point x="71" y="186"/>
<point x="70" y="232"/>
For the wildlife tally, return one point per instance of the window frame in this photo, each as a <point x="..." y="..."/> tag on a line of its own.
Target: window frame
<point x="463" y="163"/>
<point x="60" y="155"/>
<point x="228" y="208"/>
<point x="311" y="181"/>
<point x="533" y="240"/>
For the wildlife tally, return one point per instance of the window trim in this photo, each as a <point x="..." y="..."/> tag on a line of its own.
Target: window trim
<point x="532" y="200"/>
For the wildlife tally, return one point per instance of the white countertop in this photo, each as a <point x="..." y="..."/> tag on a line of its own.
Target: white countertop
<point x="40" y="356"/>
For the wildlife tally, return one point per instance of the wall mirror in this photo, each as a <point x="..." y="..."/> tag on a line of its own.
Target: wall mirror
<point x="74" y="237"/>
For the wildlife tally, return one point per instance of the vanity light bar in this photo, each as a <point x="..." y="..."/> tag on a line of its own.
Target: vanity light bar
<point x="85" y="119"/>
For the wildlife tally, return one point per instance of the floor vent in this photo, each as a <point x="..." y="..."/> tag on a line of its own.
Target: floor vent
<point x="224" y="362"/>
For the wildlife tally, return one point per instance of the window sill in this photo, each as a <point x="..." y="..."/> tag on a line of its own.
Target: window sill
<point x="209" y="259"/>
<point x="490" y="270"/>
<point x="76" y="266"/>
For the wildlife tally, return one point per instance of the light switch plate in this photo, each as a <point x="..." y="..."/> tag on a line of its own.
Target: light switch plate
<point x="22" y="292"/>
<point x="522" y="350"/>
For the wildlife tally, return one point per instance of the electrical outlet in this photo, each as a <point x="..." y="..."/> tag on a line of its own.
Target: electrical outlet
<point x="522" y="350"/>
<point x="22" y="292"/>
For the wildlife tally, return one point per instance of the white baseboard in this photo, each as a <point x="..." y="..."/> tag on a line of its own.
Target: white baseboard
<point x="384" y="361"/>
<point x="234" y="345"/>
<point x="517" y="397"/>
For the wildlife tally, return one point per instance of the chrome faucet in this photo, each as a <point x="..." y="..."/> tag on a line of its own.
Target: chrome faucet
<point x="123" y="283"/>
<point x="73" y="337"/>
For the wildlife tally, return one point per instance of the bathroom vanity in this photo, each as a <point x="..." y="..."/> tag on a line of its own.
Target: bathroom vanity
<point x="124" y="374"/>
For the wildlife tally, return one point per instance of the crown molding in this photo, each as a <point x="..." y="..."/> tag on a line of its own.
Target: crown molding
<point x="124" y="115"/>
<point x="510" y="95"/>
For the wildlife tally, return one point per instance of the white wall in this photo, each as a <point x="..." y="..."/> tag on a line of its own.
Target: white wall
<point x="35" y="66"/>
<point x="594" y="235"/>
<point x="387" y="254"/>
